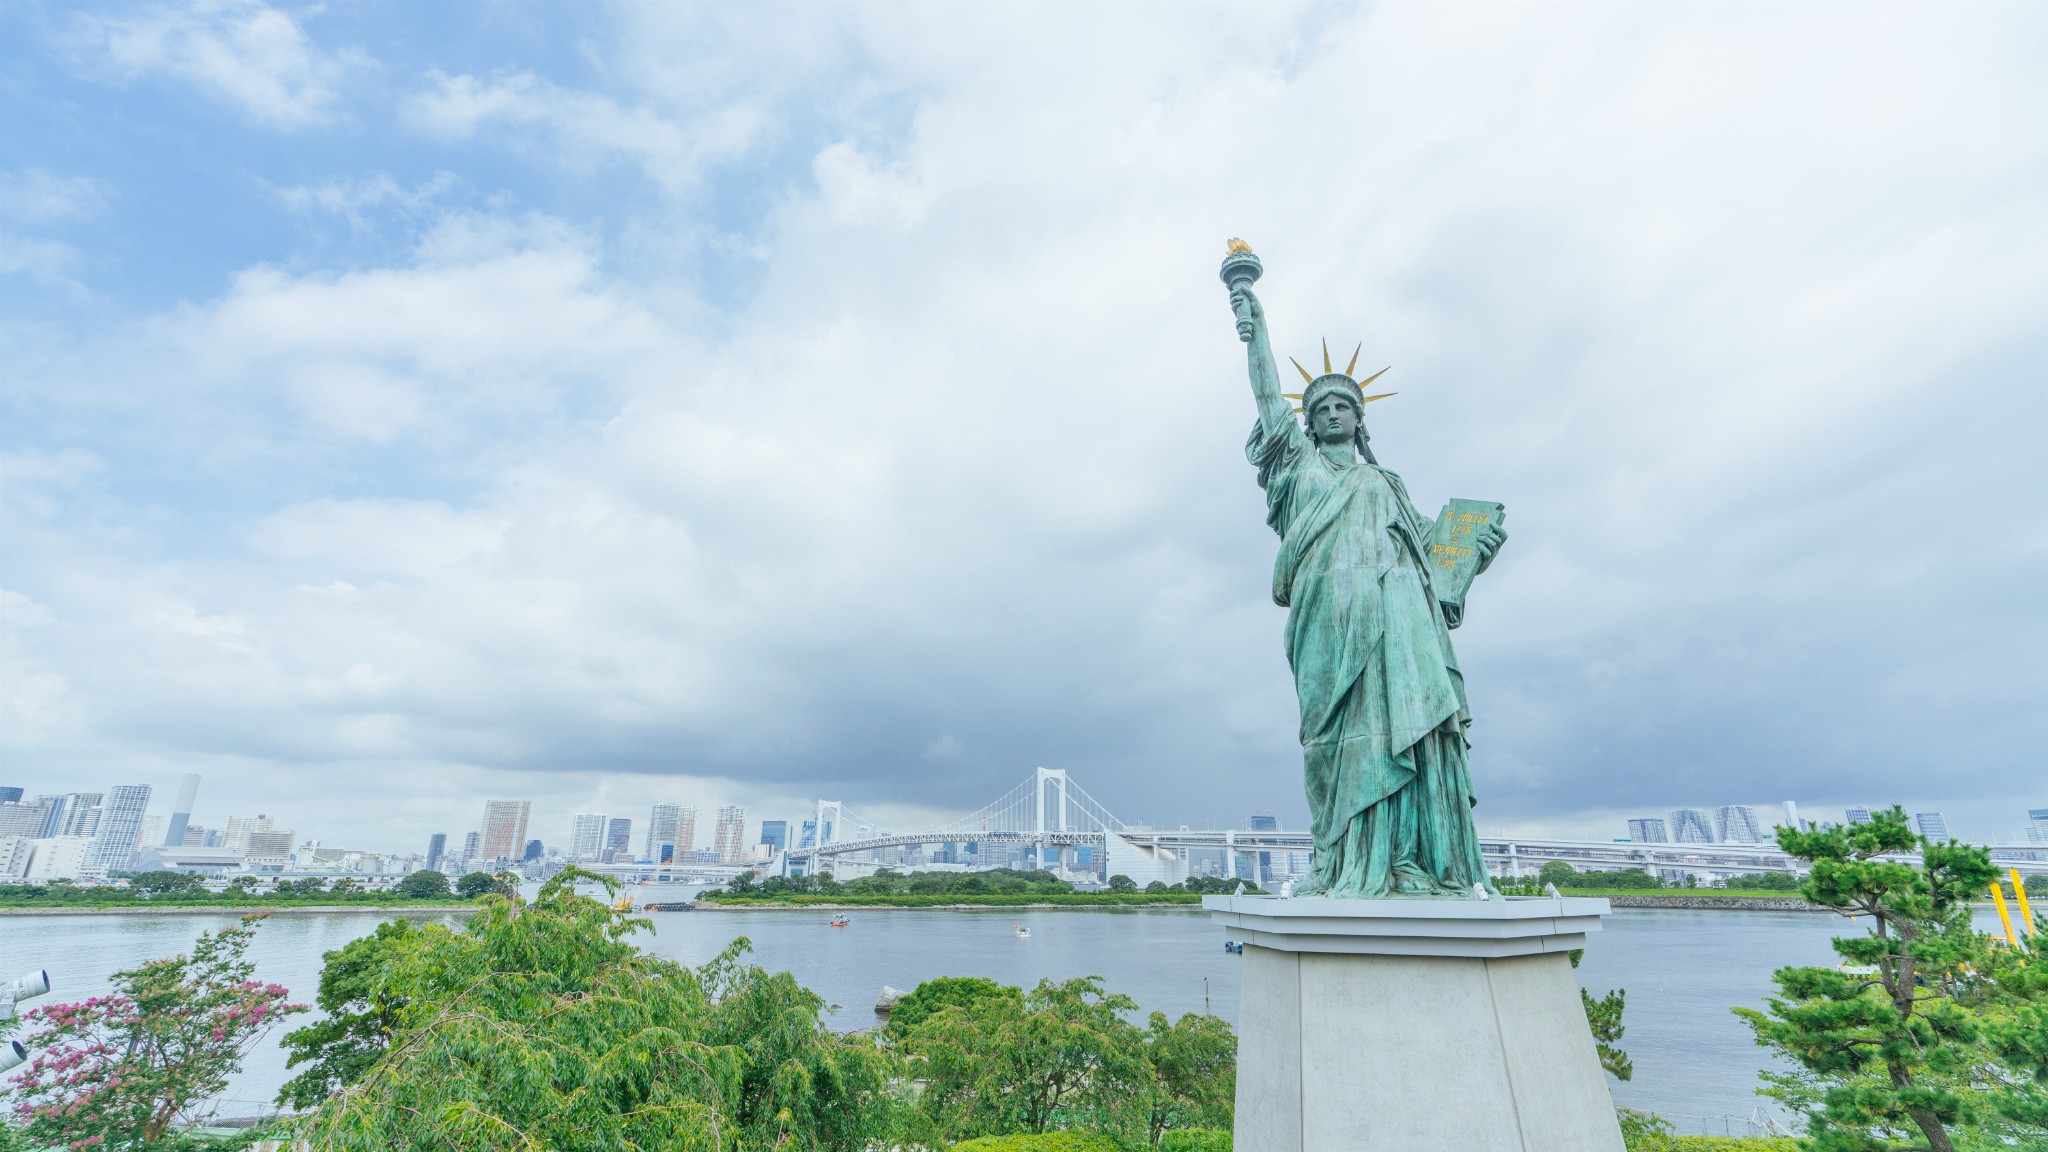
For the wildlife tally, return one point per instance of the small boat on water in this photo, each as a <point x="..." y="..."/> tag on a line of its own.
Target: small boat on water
<point x="1022" y="932"/>
<point x="841" y="920"/>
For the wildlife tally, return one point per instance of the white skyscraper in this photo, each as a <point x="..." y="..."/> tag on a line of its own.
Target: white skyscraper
<point x="80" y="815"/>
<point x="1692" y="826"/>
<point x="1648" y="830"/>
<point x="118" y="827"/>
<point x="730" y="838"/>
<point x="504" y="835"/>
<point x="1737" y="824"/>
<point x="663" y="824"/>
<point x="1931" y="825"/>
<point x="586" y="835"/>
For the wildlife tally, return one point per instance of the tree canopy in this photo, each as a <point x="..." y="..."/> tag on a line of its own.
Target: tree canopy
<point x="541" y="1026"/>
<point x="1930" y="1035"/>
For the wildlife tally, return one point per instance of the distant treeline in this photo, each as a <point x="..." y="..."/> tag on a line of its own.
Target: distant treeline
<point x="1568" y="879"/>
<point x="177" y="889"/>
<point x="999" y="887"/>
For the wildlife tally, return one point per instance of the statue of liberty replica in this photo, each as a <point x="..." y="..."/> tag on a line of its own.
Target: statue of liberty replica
<point x="1372" y="590"/>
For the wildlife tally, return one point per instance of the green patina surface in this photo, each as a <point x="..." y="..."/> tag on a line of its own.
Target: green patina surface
<point x="1383" y="713"/>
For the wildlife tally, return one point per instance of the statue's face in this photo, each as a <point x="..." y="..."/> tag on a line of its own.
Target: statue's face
<point x="1334" y="420"/>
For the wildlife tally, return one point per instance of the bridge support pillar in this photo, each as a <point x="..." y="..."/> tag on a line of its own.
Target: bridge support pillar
<point x="1394" y="1025"/>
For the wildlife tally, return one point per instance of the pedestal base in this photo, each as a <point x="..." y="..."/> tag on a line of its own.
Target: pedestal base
<point x="1405" y="1025"/>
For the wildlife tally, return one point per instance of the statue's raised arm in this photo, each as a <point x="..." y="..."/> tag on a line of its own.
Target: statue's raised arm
<point x="1239" y="271"/>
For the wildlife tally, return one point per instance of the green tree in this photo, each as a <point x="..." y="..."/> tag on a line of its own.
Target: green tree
<point x="1194" y="1074"/>
<point x="1064" y="1052"/>
<point x="362" y="1012"/>
<point x="1887" y="1046"/>
<point x="968" y="992"/>
<point x="1122" y="883"/>
<point x="475" y="884"/>
<point x="1557" y="872"/>
<point x="541" y="1026"/>
<point x="125" y="1069"/>
<point x="1603" y="1016"/>
<point x="423" y="885"/>
<point x="165" y="883"/>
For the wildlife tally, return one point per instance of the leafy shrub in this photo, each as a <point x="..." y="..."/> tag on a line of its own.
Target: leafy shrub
<point x="968" y="992"/>
<point x="424" y="885"/>
<point x="477" y="884"/>
<point x="541" y="1026"/>
<point x="1195" y="1140"/>
<point x="165" y="881"/>
<point x="1769" y="882"/>
<point x="1068" y="1141"/>
<point x="1714" y="1144"/>
<point x="1064" y="1056"/>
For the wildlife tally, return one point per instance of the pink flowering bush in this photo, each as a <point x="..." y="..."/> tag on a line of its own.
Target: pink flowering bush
<point x="121" y="1071"/>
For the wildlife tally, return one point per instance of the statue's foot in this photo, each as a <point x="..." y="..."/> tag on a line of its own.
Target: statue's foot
<point x="1311" y="888"/>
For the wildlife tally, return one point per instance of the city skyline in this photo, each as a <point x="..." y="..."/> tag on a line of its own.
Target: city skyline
<point x="263" y="838"/>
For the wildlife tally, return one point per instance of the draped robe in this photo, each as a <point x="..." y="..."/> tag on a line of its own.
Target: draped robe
<point x="1383" y="712"/>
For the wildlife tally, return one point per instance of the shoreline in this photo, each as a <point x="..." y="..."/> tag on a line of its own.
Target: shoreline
<point x="716" y="906"/>
<point x="1713" y="903"/>
<point x="234" y="910"/>
<point x="1633" y="900"/>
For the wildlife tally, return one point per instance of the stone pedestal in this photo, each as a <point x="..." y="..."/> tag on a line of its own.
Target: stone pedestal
<point x="1412" y="1025"/>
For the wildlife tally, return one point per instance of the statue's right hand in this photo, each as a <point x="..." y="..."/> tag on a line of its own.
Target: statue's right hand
<point x="1250" y="316"/>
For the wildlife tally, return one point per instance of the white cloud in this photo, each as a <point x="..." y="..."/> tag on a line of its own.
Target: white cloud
<point x="1734" y="315"/>
<point x="579" y="128"/>
<point x="33" y="195"/>
<point x="358" y="200"/>
<point x="241" y="52"/>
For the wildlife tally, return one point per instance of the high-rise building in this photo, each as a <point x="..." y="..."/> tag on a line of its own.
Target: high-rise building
<point x="20" y="821"/>
<point x="618" y="839"/>
<point x="671" y="833"/>
<point x="1792" y="816"/>
<point x="50" y="810"/>
<point x="1737" y="824"/>
<point x="80" y="815"/>
<point x="10" y="795"/>
<point x="240" y="828"/>
<point x="1931" y="825"/>
<point x="437" y="847"/>
<point x="472" y="842"/>
<point x="1648" y="830"/>
<point x="2037" y="826"/>
<point x="729" y="838"/>
<point x="181" y="812"/>
<point x="1692" y="826"/>
<point x="586" y="835"/>
<point x="269" y="845"/>
<point x="504" y="829"/>
<point x="662" y="826"/>
<point x="118" y="827"/>
<point x="1857" y="815"/>
<point x="775" y="835"/>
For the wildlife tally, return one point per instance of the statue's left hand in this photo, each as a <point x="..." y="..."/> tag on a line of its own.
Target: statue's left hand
<point x="1489" y="542"/>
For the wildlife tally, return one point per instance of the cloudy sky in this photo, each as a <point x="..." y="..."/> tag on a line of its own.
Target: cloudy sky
<point x="403" y="405"/>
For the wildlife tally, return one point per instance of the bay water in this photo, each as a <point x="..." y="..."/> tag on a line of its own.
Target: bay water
<point x="1683" y="969"/>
